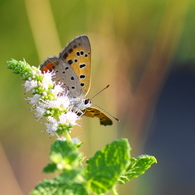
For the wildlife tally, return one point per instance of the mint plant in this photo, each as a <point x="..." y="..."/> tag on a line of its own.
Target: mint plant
<point x="108" y="168"/>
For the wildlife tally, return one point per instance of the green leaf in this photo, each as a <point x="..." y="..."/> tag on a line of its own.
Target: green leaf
<point x="71" y="176"/>
<point x="59" y="187"/>
<point x="105" y="168"/>
<point x="65" y="157"/>
<point x="46" y="187"/>
<point x="137" y="167"/>
<point x="68" y="182"/>
<point x="64" y="154"/>
<point x="50" y="168"/>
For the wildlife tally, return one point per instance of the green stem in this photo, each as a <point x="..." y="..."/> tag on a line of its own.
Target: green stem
<point x="67" y="136"/>
<point x="114" y="192"/>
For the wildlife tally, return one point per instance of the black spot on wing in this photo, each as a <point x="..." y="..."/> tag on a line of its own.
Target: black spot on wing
<point x="82" y="65"/>
<point x="70" y="62"/>
<point x="65" y="55"/>
<point x="82" y="76"/>
<point x="70" y="50"/>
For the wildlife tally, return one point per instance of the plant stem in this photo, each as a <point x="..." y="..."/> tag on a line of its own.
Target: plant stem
<point x="114" y="192"/>
<point x="67" y="136"/>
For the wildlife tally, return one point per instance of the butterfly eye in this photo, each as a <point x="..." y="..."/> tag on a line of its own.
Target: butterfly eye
<point x="86" y="101"/>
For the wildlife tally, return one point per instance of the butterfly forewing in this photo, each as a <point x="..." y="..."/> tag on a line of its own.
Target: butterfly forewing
<point x="78" y="55"/>
<point x="64" y="75"/>
<point x="94" y="112"/>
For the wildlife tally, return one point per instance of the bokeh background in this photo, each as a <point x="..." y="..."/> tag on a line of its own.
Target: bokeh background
<point x="144" y="49"/>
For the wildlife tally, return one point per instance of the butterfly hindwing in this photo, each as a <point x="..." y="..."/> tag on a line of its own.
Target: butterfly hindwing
<point x="64" y="75"/>
<point x="78" y="55"/>
<point x="94" y="112"/>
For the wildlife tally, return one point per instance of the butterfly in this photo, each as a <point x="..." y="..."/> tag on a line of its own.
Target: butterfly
<point x="73" y="70"/>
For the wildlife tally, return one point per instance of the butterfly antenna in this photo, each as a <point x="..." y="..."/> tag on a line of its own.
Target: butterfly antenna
<point x="99" y="92"/>
<point x="102" y="108"/>
<point x="106" y="112"/>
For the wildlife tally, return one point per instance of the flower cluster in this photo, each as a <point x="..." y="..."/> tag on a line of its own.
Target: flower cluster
<point x="49" y="99"/>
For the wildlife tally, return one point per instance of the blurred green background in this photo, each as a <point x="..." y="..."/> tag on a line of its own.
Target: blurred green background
<point x="144" y="49"/>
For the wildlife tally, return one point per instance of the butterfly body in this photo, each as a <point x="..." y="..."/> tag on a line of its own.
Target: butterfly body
<point x="73" y="71"/>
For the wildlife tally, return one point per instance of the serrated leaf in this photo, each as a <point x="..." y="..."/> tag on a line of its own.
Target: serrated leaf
<point x="46" y="187"/>
<point x="54" y="186"/>
<point x="137" y="167"/>
<point x="64" y="154"/>
<point x="105" y="168"/>
<point x="71" y="176"/>
<point x="69" y="182"/>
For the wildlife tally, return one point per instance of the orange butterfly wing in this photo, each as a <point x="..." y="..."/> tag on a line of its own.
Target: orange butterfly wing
<point x="78" y="55"/>
<point x="94" y="112"/>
